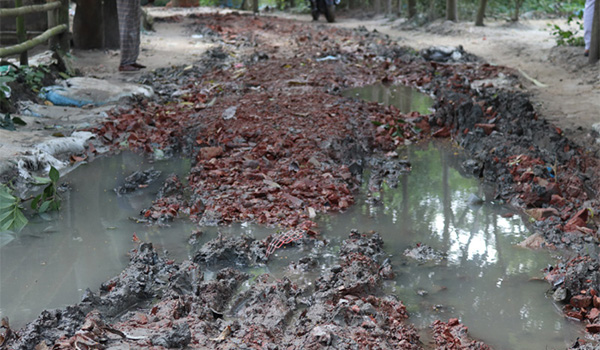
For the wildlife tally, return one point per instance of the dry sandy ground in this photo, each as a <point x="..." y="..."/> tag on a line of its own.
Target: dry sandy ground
<point x="569" y="97"/>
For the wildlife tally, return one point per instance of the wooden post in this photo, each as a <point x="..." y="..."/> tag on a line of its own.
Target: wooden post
<point x="21" y="34"/>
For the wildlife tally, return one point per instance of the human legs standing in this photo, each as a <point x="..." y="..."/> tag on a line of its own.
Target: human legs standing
<point x="129" y="30"/>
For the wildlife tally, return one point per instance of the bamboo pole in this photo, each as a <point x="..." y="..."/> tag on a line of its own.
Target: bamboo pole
<point x="24" y="10"/>
<point x="27" y="45"/>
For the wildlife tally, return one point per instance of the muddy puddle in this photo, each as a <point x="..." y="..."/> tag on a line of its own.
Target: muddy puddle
<point x="492" y="286"/>
<point x="55" y="258"/>
<point x="405" y="98"/>
<point x="480" y="277"/>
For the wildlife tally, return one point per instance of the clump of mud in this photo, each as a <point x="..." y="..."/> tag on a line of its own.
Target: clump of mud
<point x="174" y="306"/>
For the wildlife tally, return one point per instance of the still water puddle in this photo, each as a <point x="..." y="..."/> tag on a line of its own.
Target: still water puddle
<point x="487" y="282"/>
<point x="405" y="98"/>
<point x="491" y="285"/>
<point x="51" y="262"/>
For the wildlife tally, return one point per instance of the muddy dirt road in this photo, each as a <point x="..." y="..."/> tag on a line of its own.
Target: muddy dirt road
<point x="570" y="97"/>
<point x="256" y="103"/>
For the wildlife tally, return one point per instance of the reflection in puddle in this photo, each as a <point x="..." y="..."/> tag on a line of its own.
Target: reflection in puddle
<point x="488" y="283"/>
<point x="405" y="98"/>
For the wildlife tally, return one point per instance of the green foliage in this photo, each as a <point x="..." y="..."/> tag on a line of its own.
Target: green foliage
<point x="9" y="123"/>
<point x="34" y="76"/>
<point x="5" y="90"/>
<point x="11" y="216"/>
<point x="49" y="199"/>
<point x="567" y="36"/>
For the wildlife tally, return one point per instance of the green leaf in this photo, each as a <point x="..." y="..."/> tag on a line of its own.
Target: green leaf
<point x="36" y="201"/>
<point x="53" y="174"/>
<point x="7" y="200"/>
<point x="7" y="79"/>
<point x="18" y="121"/>
<point x="44" y="207"/>
<point x="55" y="205"/>
<point x="63" y="75"/>
<point x="48" y="191"/>
<point x="11" y="217"/>
<point x="4" y="215"/>
<point x="39" y="181"/>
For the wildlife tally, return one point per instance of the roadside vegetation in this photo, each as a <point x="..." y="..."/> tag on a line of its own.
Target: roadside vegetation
<point x="12" y="217"/>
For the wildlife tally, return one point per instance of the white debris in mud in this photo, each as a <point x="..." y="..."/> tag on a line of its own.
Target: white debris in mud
<point x="73" y="144"/>
<point x="44" y="155"/>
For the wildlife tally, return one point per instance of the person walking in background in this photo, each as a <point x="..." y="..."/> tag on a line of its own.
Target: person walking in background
<point x="588" y="19"/>
<point x="129" y="12"/>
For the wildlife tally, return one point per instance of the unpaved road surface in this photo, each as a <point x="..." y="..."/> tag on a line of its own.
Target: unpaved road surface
<point x="570" y="97"/>
<point x="273" y="141"/>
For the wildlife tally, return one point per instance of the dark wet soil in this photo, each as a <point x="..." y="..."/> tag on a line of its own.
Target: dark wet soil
<point x="274" y="142"/>
<point x="157" y="303"/>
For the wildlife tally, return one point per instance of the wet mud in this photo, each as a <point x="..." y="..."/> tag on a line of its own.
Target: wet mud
<point x="274" y="141"/>
<point x="346" y="308"/>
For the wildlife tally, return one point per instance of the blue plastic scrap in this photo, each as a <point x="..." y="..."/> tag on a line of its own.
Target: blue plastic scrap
<point x="56" y="95"/>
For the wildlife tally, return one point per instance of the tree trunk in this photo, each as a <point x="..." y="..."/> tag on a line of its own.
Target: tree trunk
<point x="87" y="24"/>
<point x="292" y="4"/>
<point x="451" y="10"/>
<point x="480" y="13"/>
<point x="56" y="17"/>
<point x="412" y="8"/>
<point x="110" y="24"/>
<point x="518" y="4"/>
<point x="595" y="43"/>
<point x="389" y="7"/>
<point x="399" y="8"/>
<point x="377" y="6"/>
<point x="255" y="6"/>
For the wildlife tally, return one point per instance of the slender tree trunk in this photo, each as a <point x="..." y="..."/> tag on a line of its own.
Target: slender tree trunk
<point x="518" y="4"/>
<point x="595" y="43"/>
<point x="399" y="8"/>
<point x="480" y="13"/>
<point x="388" y="9"/>
<point x="451" y="10"/>
<point x="292" y="4"/>
<point x="377" y="6"/>
<point x="412" y="8"/>
<point x="255" y="6"/>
